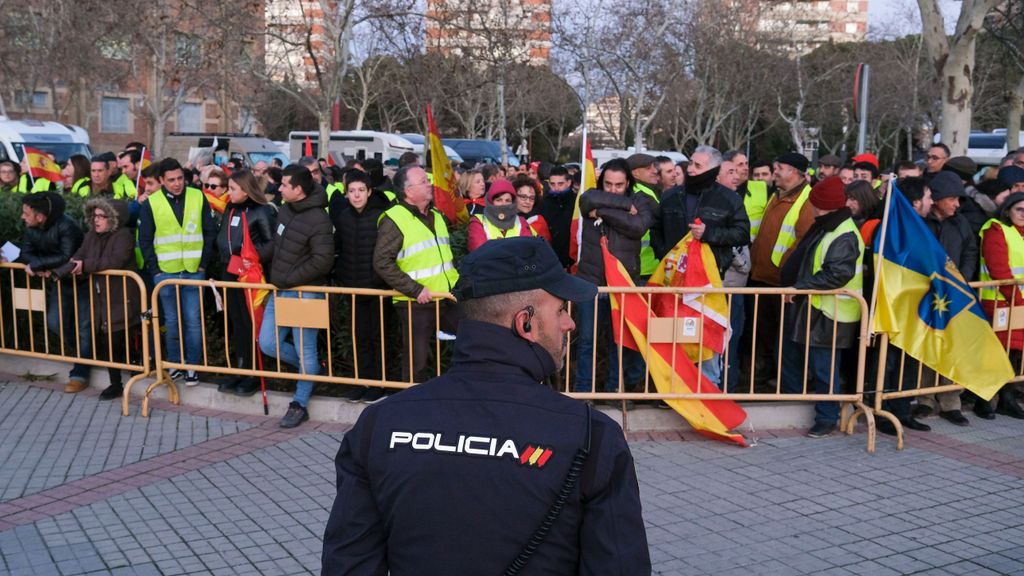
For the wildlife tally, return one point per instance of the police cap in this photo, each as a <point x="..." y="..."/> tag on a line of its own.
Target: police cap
<point x="518" y="264"/>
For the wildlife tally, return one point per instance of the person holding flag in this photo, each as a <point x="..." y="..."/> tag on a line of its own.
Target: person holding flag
<point x="246" y="216"/>
<point x="829" y="257"/>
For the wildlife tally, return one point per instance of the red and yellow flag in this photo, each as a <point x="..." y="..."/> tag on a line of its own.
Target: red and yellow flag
<point x="309" y="147"/>
<point x="670" y="367"/>
<point x="588" y="180"/>
<point x="446" y="190"/>
<point x="41" y="165"/>
<point x="218" y="203"/>
<point x="691" y="264"/>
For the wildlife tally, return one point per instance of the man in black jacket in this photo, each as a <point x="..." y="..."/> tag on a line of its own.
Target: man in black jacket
<point x="303" y="256"/>
<point x="455" y="476"/>
<point x="961" y="245"/>
<point x="723" y="220"/>
<point x="614" y="210"/>
<point x="47" y="244"/>
<point x="556" y="206"/>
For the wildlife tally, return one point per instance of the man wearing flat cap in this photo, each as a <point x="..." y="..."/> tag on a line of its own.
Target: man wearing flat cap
<point x="961" y="245"/>
<point x="828" y="165"/>
<point x="786" y="219"/>
<point x="644" y="168"/>
<point x="458" y="475"/>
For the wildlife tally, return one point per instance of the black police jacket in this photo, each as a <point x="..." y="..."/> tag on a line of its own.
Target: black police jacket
<point x="455" y="475"/>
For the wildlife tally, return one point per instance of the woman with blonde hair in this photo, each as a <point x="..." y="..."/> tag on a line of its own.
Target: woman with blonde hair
<point x="472" y="187"/>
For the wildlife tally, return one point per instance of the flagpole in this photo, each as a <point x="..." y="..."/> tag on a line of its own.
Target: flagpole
<point x="879" y="255"/>
<point x="24" y="151"/>
<point x="138" y="175"/>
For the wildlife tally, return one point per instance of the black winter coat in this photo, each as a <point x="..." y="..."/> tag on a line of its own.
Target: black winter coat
<point x="719" y="208"/>
<point x="52" y="245"/>
<point x="624" y="231"/>
<point x="262" y="221"/>
<point x="557" y="211"/>
<point x="355" y="235"/>
<point x="303" y="243"/>
<point x="960" y="243"/>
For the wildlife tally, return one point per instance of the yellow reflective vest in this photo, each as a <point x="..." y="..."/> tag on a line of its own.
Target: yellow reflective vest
<point x="648" y="261"/>
<point x="123" y="188"/>
<point x="495" y="233"/>
<point x="841" y="308"/>
<point x="39" y="185"/>
<point x="81" y="186"/>
<point x="1015" y="247"/>
<point x="178" y="247"/>
<point x="754" y="202"/>
<point x="787" y="233"/>
<point x="426" y="255"/>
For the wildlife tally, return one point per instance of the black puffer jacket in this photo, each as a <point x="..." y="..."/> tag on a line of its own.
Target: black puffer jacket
<point x="303" y="243"/>
<point x="557" y="210"/>
<point x="624" y="231"/>
<point x="262" y="219"/>
<point x="52" y="244"/>
<point x="719" y="208"/>
<point x="960" y="243"/>
<point x="355" y="235"/>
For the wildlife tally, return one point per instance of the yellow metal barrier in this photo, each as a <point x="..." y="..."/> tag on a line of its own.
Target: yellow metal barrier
<point x="302" y="312"/>
<point x="28" y="299"/>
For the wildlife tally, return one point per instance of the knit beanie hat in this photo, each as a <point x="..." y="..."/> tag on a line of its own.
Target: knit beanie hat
<point x="828" y="194"/>
<point x="499" y="187"/>
<point x="946" y="185"/>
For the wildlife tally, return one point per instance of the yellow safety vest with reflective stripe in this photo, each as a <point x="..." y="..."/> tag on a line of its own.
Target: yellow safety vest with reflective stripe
<point x="178" y="247"/>
<point x="1015" y="247"/>
<point x="39" y="185"/>
<point x="331" y="189"/>
<point x="787" y="233"/>
<point x="426" y="255"/>
<point x="495" y="233"/>
<point x="648" y="261"/>
<point x="123" y="187"/>
<point x="81" y="186"/>
<point x="755" y="201"/>
<point x="841" y="308"/>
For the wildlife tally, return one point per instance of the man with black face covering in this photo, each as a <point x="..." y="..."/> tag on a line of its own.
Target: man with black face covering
<point x="723" y="222"/>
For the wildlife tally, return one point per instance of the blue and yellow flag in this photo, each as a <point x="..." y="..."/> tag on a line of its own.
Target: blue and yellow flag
<point x="929" y="311"/>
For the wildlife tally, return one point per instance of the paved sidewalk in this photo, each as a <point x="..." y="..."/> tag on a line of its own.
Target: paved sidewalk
<point x="86" y="491"/>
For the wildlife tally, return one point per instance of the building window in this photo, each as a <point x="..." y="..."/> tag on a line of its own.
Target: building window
<point x="114" y="115"/>
<point x="190" y="117"/>
<point x="851" y="27"/>
<point x="187" y="50"/>
<point x="36" y="99"/>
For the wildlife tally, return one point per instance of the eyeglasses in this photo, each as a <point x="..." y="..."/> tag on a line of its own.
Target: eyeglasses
<point x="99" y="216"/>
<point x="209" y="186"/>
<point x="529" y="197"/>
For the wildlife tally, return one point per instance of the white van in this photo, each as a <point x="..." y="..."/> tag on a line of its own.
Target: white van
<point x="250" y="148"/>
<point x="61" y="140"/>
<point x="418" y="143"/>
<point x="606" y="154"/>
<point x="351" y="144"/>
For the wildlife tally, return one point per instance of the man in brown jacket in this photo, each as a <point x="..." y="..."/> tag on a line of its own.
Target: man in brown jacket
<point x="787" y="217"/>
<point x="413" y="255"/>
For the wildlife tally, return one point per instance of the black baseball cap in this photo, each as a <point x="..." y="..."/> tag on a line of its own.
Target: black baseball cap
<point x="518" y="264"/>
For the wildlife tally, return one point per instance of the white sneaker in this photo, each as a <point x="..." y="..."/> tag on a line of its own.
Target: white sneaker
<point x="191" y="378"/>
<point x="176" y="374"/>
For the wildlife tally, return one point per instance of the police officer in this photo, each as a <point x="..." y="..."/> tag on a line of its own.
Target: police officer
<point x="460" y="474"/>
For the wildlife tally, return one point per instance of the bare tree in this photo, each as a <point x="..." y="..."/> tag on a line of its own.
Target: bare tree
<point x="1006" y="24"/>
<point x="952" y="57"/>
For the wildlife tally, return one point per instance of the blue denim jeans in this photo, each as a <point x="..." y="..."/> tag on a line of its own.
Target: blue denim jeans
<point x="633" y="361"/>
<point x="737" y="319"/>
<point x="60" y="309"/>
<point x="192" y="323"/>
<point x="291" y="340"/>
<point x="819" y="361"/>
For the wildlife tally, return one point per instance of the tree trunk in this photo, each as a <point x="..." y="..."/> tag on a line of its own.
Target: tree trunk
<point x="502" y="132"/>
<point x="957" y="91"/>
<point x="324" y="146"/>
<point x="1014" y="111"/>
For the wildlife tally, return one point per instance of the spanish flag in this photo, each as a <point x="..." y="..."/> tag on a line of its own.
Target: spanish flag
<point x="446" y="195"/>
<point x="928" y="310"/>
<point x="588" y="180"/>
<point x="691" y="264"/>
<point x="670" y="367"/>
<point x="41" y="165"/>
<point x="217" y="203"/>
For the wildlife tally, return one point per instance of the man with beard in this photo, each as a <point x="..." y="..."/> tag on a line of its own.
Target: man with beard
<point x="713" y="213"/>
<point x="644" y="169"/>
<point x="557" y="478"/>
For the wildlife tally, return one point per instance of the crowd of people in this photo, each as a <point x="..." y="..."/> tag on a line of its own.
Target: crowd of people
<point x="367" y="225"/>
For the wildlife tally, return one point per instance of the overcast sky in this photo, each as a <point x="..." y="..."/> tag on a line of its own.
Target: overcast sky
<point x="888" y="18"/>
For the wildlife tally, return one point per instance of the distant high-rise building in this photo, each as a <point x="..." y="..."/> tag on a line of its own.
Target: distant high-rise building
<point x="803" y="25"/>
<point x="491" y="30"/>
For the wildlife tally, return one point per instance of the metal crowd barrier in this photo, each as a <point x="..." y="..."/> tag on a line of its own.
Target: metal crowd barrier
<point x="912" y="379"/>
<point x="302" y="312"/>
<point x="30" y="303"/>
<point x="679" y="330"/>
